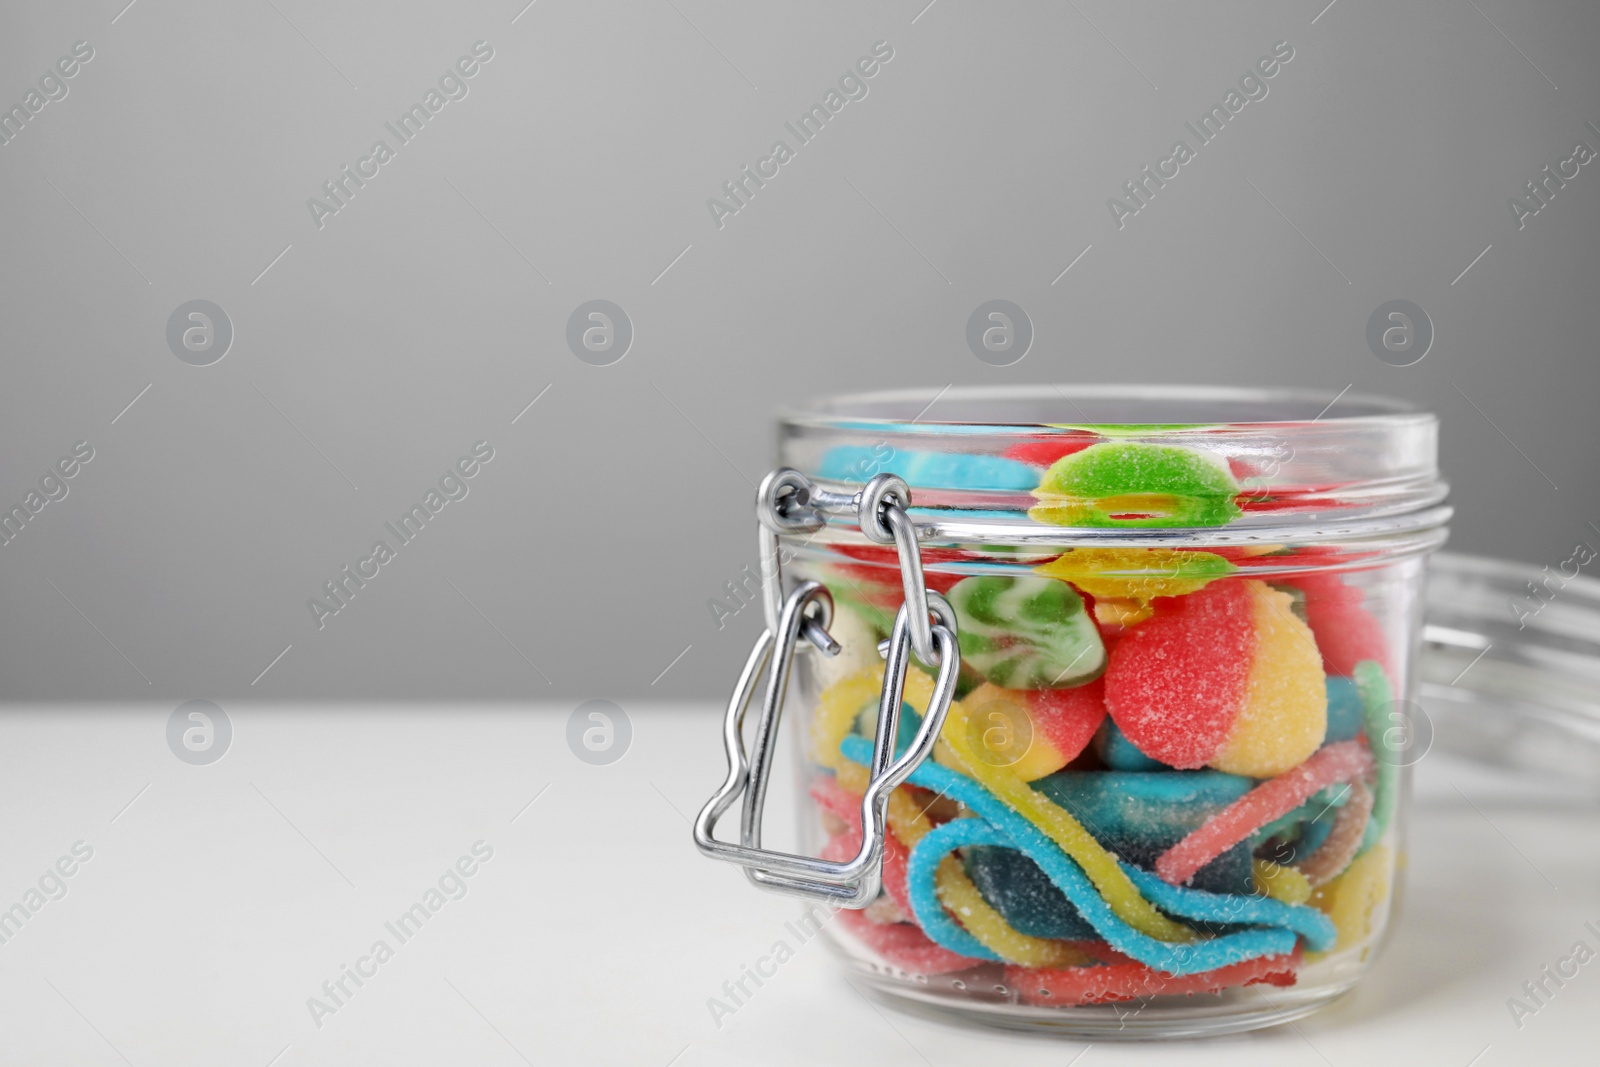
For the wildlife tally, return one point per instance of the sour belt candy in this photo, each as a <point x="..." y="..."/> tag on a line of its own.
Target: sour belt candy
<point x="992" y="937"/>
<point x="1343" y="841"/>
<point x="1113" y="982"/>
<point x="1339" y="762"/>
<point x="1274" y="925"/>
<point x="1387" y="734"/>
<point x="1060" y="827"/>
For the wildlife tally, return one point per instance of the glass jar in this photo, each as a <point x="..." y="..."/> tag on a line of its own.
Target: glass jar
<point x="1156" y="729"/>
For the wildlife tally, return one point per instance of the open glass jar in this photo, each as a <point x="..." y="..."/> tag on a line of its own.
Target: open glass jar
<point x="1149" y="705"/>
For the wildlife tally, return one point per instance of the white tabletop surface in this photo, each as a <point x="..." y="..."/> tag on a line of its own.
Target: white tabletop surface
<point x="222" y="897"/>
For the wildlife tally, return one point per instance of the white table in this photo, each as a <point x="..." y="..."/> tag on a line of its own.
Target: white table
<point x="223" y="896"/>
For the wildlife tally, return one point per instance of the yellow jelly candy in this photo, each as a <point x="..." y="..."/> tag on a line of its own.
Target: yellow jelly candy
<point x="837" y="709"/>
<point x="1002" y="733"/>
<point x="1283" y="718"/>
<point x="1280" y="883"/>
<point x="1139" y="574"/>
<point x="1351" y="900"/>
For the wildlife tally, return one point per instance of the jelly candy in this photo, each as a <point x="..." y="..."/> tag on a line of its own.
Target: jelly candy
<point x="1134" y="484"/>
<point x="903" y="945"/>
<point x="1281" y="883"/>
<point x="1339" y="847"/>
<point x="1351" y="900"/>
<point x="1274" y="926"/>
<point x="1387" y="734"/>
<point x="1345" y="712"/>
<point x="1137" y="574"/>
<point x="999" y="824"/>
<point x="1339" y="762"/>
<point x="836" y="712"/>
<point x="1024" y="894"/>
<point x="1032" y="733"/>
<point x="1282" y="718"/>
<point x="1045" y="452"/>
<point x="1063" y="829"/>
<point x="1346" y="632"/>
<point x="1175" y="682"/>
<point x="1119" y="981"/>
<point x="933" y="470"/>
<point x="1138" y="816"/>
<point x="1114" y="749"/>
<point x="987" y="934"/>
<point x="1026" y="632"/>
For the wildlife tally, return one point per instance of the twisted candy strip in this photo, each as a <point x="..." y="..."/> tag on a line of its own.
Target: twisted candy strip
<point x="998" y="824"/>
<point x="1338" y="762"/>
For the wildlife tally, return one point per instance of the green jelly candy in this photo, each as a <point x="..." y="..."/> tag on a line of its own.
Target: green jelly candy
<point x="1026" y="632"/>
<point x="1134" y="484"/>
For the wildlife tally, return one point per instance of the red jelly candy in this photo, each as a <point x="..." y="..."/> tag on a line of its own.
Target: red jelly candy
<point x="1045" y="453"/>
<point x="1346" y="632"/>
<point x="1174" y="683"/>
<point x="1068" y="718"/>
<point x="1130" y="981"/>
<point x="903" y="945"/>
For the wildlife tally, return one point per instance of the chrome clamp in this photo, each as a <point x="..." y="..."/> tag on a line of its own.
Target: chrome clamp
<point x="925" y="626"/>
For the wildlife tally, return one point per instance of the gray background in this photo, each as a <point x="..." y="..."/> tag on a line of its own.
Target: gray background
<point x="430" y="311"/>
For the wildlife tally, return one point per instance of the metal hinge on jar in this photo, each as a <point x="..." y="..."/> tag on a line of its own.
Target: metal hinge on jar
<point x="925" y="626"/>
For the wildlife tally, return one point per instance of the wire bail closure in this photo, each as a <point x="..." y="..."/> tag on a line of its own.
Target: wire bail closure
<point x="925" y="626"/>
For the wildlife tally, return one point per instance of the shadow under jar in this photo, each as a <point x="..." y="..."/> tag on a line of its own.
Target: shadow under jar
<point x="1168" y="797"/>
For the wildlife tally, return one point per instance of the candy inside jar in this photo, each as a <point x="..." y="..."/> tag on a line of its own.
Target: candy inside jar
<point x="1166" y="795"/>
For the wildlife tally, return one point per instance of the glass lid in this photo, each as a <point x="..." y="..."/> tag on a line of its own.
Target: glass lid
<point x="1510" y="665"/>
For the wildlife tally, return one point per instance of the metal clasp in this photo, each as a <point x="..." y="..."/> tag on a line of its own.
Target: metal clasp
<point x="791" y="502"/>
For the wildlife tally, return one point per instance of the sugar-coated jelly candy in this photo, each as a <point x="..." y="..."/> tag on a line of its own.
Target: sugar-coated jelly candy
<point x="1118" y="753"/>
<point x="1024" y="894"/>
<point x="1139" y="574"/>
<point x="1026" y="632"/>
<point x="1035" y="732"/>
<point x="1140" y="815"/>
<point x="1345" y="711"/>
<point x="1174" y="683"/>
<point x="1124" y="979"/>
<point x="1132" y="483"/>
<point x="1283" y="717"/>
<point x="928" y="469"/>
<point x="1342" y="761"/>
<point x="1352" y="899"/>
<point x="1346" y="632"/>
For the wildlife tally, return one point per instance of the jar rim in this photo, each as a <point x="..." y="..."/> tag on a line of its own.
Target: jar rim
<point x="1212" y="405"/>
<point x="980" y="461"/>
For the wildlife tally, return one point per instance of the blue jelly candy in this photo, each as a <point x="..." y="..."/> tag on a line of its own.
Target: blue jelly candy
<point x="1345" y="710"/>
<point x="935" y="470"/>
<point x="1118" y="753"/>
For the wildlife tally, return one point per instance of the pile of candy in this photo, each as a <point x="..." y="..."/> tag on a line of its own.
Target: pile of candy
<point x="1161" y="775"/>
